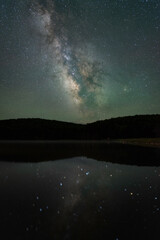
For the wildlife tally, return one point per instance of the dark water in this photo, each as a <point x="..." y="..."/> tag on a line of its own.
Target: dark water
<point x="79" y="198"/>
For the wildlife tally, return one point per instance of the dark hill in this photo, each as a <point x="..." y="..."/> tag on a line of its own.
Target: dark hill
<point x="39" y="129"/>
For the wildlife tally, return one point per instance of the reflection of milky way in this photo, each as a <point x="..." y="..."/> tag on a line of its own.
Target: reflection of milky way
<point x="77" y="71"/>
<point x="79" y="198"/>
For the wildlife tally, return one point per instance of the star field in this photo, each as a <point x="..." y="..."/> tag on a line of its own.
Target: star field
<point x="80" y="197"/>
<point x="79" y="61"/>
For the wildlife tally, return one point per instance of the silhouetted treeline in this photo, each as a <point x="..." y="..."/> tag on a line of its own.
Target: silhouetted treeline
<point x="138" y="126"/>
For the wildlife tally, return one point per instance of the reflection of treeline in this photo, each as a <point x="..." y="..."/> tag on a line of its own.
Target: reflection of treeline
<point x="122" y="127"/>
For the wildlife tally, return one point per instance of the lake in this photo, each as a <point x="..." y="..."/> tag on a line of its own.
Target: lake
<point x="80" y="197"/>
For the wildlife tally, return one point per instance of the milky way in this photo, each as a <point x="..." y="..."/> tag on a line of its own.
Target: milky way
<point x="74" y="67"/>
<point x="79" y="61"/>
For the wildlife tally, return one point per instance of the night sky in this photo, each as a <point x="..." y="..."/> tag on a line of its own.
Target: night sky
<point x="79" y="60"/>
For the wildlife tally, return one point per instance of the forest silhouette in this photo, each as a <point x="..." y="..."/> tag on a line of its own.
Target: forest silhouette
<point x="139" y="126"/>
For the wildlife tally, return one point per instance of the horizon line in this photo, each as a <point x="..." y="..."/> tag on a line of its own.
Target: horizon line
<point x="107" y="119"/>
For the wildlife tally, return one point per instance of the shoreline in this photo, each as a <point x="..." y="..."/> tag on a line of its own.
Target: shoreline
<point x="115" y="151"/>
<point x="142" y="142"/>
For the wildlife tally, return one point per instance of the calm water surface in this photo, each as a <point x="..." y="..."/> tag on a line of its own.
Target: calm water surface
<point x="79" y="198"/>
